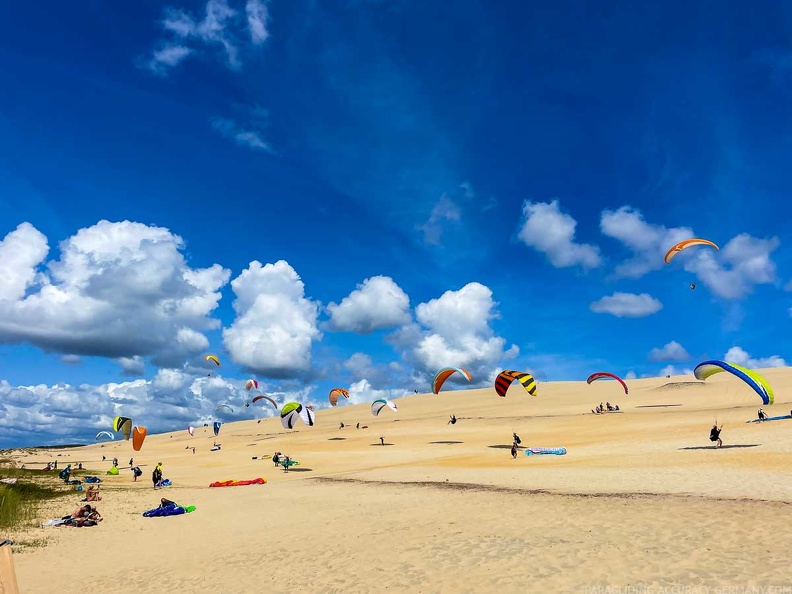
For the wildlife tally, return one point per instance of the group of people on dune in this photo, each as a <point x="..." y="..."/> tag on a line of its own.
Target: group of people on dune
<point x="597" y="410"/>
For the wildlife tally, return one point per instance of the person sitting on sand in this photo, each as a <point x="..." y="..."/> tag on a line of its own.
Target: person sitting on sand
<point x="166" y="502"/>
<point x="761" y="414"/>
<point x="342" y="425"/>
<point x="453" y="420"/>
<point x="608" y="406"/>
<point x="92" y="494"/>
<point x="80" y="512"/>
<point x="715" y="434"/>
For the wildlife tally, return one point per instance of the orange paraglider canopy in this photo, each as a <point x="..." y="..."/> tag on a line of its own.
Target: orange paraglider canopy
<point x="138" y="435"/>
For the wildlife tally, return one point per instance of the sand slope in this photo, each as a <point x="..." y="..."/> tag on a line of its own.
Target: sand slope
<point x="640" y="498"/>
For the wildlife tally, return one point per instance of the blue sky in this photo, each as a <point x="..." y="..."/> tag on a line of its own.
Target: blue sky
<point x="357" y="193"/>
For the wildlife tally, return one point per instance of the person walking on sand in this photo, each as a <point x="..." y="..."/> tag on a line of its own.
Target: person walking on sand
<point x="514" y="450"/>
<point x="131" y="462"/>
<point x="382" y="440"/>
<point x="715" y="435"/>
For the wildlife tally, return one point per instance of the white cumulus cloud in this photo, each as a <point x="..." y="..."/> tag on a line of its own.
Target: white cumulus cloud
<point x="454" y="330"/>
<point x="627" y="305"/>
<point x="376" y="304"/>
<point x="672" y="351"/>
<point x="648" y="243"/>
<point x="275" y="325"/>
<point x="63" y="413"/>
<point x="118" y="290"/>
<point x="738" y="356"/>
<point x="552" y="232"/>
<point x="732" y="273"/>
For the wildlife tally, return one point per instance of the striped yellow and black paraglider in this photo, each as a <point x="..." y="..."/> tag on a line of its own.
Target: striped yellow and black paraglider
<point x="505" y="379"/>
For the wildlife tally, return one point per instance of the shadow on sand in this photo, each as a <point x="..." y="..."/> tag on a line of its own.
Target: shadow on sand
<point x="336" y="439"/>
<point x="449" y="442"/>
<point x="379" y="445"/>
<point x="656" y="405"/>
<point x="712" y="447"/>
<point x="298" y="469"/>
<point x="505" y="447"/>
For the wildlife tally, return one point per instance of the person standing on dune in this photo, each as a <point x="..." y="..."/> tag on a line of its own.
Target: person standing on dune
<point x="715" y="434"/>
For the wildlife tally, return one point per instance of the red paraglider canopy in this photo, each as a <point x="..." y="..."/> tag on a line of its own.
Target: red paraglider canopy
<point x="604" y="374"/>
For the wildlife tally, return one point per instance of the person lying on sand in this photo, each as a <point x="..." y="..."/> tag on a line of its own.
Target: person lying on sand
<point x="80" y="512"/>
<point x="715" y="434"/>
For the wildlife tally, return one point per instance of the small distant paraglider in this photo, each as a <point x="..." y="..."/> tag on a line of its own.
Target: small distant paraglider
<point x="214" y="360"/>
<point x="685" y="244"/>
<point x="692" y="286"/>
<point x="335" y="394"/>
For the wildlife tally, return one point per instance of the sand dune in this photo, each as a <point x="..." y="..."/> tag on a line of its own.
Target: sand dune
<point x="641" y="498"/>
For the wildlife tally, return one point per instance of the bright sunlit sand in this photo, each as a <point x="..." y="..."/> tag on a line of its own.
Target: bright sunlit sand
<point x="640" y="498"/>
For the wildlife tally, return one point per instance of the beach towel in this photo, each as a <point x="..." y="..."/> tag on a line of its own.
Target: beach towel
<point x="168" y="510"/>
<point x="258" y="481"/>
<point x="92" y="479"/>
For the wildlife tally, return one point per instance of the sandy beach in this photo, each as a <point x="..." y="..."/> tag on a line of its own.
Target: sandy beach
<point x="640" y="500"/>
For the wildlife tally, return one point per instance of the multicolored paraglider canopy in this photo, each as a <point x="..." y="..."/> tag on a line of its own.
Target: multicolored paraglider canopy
<point x="381" y="403"/>
<point x="190" y="429"/>
<point x="250" y="384"/>
<point x="505" y="379"/>
<point x="683" y="245"/>
<point x="293" y="411"/>
<point x="444" y="374"/>
<point x="604" y="374"/>
<point x="753" y="379"/>
<point x="335" y="394"/>
<point x="124" y="425"/>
